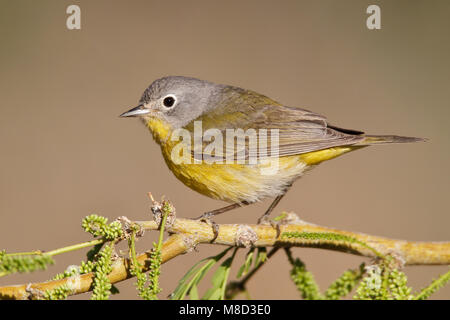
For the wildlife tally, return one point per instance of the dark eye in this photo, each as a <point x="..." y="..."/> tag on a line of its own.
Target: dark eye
<point x="169" y="101"/>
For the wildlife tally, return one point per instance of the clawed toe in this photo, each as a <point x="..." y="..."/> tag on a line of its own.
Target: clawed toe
<point x="206" y="218"/>
<point x="265" y="220"/>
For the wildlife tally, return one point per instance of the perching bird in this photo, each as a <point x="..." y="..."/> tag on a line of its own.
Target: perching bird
<point x="175" y="104"/>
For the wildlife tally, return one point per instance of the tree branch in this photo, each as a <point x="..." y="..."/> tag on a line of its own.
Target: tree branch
<point x="186" y="234"/>
<point x="411" y="252"/>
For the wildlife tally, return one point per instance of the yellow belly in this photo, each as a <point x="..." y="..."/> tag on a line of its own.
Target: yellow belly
<point x="237" y="182"/>
<point x="240" y="182"/>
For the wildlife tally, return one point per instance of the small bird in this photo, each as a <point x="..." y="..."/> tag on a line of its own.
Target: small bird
<point x="305" y="139"/>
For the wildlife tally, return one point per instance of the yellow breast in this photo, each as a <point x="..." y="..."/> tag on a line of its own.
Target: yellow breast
<point x="235" y="182"/>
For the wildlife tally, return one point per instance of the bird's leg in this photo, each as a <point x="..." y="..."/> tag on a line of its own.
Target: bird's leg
<point x="206" y="217"/>
<point x="265" y="217"/>
<point x="209" y="214"/>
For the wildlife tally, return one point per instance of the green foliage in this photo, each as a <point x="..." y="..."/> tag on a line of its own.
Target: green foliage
<point x="59" y="293"/>
<point x="144" y="292"/>
<point x="303" y="279"/>
<point x="102" y="267"/>
<point x="280" y="217"/>
<point x="13" y="262"/>
<point x="335" y="238"/>
<point x="98" y="226"/>
<point x="398" y="285"/>
<point x="219" y="280"/>
<point x="309" y="290"/>
<point x="243" y="270"/>
<point x="433" y="287"/>
<point x="261" y="257"/>
<point x="155" y="270"/>
<point x="100" y="260"/>
<point x="150" y="291"/>
<point x="383" y="282"/>
<point x="380" y="281"/>
<point x="343" y="285"/>
<point x="69" y="272"/>
<point x="86" y="267"/>
<point x="371" y="287"/>
<point x="91" y="254"/>
<point x="188" y="284"/>
<point x="236" y="287"/>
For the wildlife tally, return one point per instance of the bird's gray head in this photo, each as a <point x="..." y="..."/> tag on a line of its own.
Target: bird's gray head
<point x="176" y="100"/>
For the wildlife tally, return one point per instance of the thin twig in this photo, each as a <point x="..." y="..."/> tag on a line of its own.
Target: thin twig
<point x="236" y="287"/>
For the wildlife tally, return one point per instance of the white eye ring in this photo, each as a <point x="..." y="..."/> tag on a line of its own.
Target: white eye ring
<point x="169" y="101"/>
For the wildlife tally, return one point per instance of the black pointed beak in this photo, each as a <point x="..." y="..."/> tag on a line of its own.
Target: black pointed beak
<point x="140" y="109"/>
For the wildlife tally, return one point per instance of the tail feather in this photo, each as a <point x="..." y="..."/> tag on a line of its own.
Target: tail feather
<point x="382" y="139"/>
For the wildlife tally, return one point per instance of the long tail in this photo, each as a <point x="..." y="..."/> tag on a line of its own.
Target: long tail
<point x="378" y="139"/>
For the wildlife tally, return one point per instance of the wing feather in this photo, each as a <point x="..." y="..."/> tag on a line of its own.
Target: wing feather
<point x="300" y="130"/>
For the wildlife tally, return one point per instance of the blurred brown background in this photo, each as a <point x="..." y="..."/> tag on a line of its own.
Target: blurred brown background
<point x="65" y="153"/>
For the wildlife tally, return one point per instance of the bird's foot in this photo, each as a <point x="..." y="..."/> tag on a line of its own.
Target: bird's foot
<point x="206" y="217"/>
<point x="265" y="220"/>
